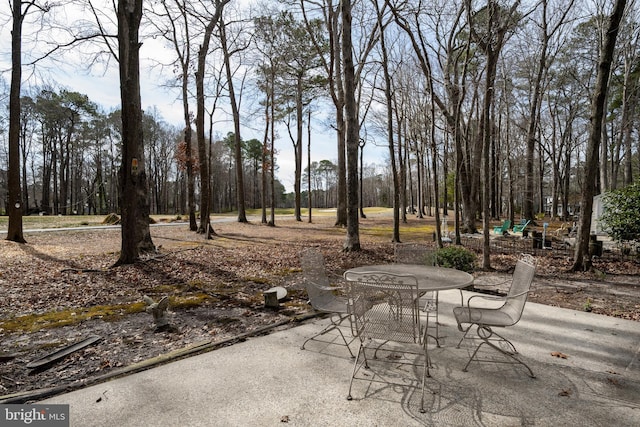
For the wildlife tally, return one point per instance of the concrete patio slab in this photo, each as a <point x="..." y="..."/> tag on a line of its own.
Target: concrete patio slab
<point x="270" y="381"/>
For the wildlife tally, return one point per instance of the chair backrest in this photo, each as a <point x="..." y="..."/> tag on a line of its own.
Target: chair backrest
<point x="384" y="306"/>
<point x="315" y="278"/>
<point x="413" y="253"/>
<point x="522" y="226"/>
<point x="519" y="290"/>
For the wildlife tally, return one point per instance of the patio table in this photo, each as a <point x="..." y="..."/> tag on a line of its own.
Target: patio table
<point x="429" y="278"/>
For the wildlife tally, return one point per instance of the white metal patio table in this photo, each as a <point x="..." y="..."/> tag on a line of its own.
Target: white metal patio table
<point x="430" y="279"/>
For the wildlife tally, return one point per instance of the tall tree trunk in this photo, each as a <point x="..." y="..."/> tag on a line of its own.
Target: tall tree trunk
<point x="362" y="214"/>
<point x="533" y="123"/>
<point x="630" y="100"/>
<point x="203" y="160"/>
<point x="14" y="230"/>
<point x="191" y="202"/>
<point x="24" y="151"/>
<point x="398" y="184"/>
<point x="352" y="241"/>
<point x="485" y="129"/>
<point x="242" y="215"/>
<point x="445" y="174"/>
<point x="403" y="155"/>
<point x="193" y="226"/>
<point x="499" y="22"/>
<point x="582" y="258"/>
<point x="603" y="184"/>
<point x="265" y="152"/>
<point x="341" y="131"/>
<point x="434" y="166"/>
<point x="191" y="206"/>
<point x="309" y="201"/>
<point x="297" y="148"/>
<point x="205" y="200"/>
<point x="341" y="170"/>
<point x="566" y="181"/>
<point x="136" y="238"/>
<point x="272" y="160"/>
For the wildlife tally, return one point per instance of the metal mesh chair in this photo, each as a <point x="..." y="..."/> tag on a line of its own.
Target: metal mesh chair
<point x="412" y="253"/>
<point x="508" y="314"/>
<point x="322" y="295"/>
<point x="384" y="307"/>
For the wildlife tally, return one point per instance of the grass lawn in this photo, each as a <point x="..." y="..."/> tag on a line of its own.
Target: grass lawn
<point x="64" y="221"/>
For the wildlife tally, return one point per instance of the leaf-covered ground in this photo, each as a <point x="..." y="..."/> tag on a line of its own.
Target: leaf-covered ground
<point x="60" y="288"/>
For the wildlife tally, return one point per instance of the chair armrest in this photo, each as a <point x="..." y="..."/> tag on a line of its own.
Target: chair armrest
<point x="486" y="297"/>
<point x="470" y="310"/>
<point x="495" y="297"/>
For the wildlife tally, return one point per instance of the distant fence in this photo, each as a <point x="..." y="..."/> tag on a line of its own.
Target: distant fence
<point x="550" y="248"/>
<point x="518" y="246"/>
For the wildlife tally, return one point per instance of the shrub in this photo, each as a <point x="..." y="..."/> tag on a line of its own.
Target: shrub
<point x="456" y="257"/>
<point x="620" y="216"/>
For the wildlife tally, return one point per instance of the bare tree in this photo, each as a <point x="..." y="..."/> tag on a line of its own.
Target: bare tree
<point x="27" y="131"/>
<point x="582" y="258"/>
<point x="179" y="33"/>
<point x="19" y="10"/>
<point x="205" y="203"/>
<point x="454" y="68"/>
<point x="333" y="65"/>
<point x="229" y="49"/>
<point x="542" y="67"/>
<point x="489" y="29"/>
<point x="269" y="43"/>
<point x="136" y="238"/>
<point x="352" y="241"/>
<point x="132" y="177"/>
<point x="629" y="42"/>
<point x="389" y="121"/>
<point x="301" y="83"/>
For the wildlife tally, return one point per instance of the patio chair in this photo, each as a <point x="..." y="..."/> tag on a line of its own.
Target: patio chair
<point x="384" y="307"/>
<point x="519" y="228"/>
<point x="502" y="229"/>
<point x="508" y="314"/>
<point x="412" y="253"/>
<point x="323" y="296"/>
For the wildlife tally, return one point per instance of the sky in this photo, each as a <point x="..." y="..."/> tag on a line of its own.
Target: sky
<point x="102" y="87"/>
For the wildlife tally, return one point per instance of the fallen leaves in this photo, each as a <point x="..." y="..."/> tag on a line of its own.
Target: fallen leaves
<point x="70" y="272"/>
<point x="613" y="381"/>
